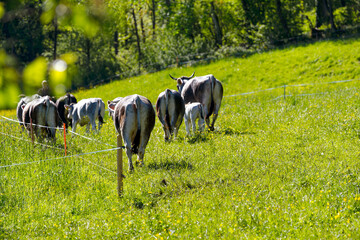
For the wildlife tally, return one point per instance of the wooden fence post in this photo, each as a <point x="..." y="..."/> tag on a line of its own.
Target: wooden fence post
<point x="119" y="165"/>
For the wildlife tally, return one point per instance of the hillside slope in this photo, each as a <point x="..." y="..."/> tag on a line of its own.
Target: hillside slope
<point x="313" y="63"/>
<point x="275" y="167"/>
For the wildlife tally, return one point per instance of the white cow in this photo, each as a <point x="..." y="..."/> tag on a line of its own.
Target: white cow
<point x="86" y="111"/>
<point x="194" y="111"/>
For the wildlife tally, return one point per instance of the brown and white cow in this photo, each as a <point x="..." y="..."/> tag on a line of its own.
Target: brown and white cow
<point x="170" y="109"/>
<point x="205" y="89"/>
<point x="21" y="104"/>
<point x="60" y="104"/>
<point x="85" y="112"/>
<point x="134" y="119"/>
<point x="41" y="115"/>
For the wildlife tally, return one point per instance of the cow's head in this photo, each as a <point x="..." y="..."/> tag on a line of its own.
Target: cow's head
<point x="111" y="107"/>
<point x="181" y="81"/>
<point x="70" y="109"/>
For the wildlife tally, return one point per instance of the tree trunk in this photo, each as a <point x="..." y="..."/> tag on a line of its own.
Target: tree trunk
<point x="217" y="28"/>
<point x="153" y="18"/>
<point x="282" y="18"/>
<point x="137" y="37"/>
<point x="116" y="42"/>
<point x="324" y="14"/>
<point x="87" y="51"/>
<point x="55" y="38"/>
<point x="142" y="25"/>
<point x="246" y="9"/>
<point x="333" y="26"/>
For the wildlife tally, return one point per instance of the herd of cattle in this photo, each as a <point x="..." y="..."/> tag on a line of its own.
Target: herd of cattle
<point x="133" y="116"/>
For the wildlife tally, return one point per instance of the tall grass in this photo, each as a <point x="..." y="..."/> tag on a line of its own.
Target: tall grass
<point x="273" y="168"/>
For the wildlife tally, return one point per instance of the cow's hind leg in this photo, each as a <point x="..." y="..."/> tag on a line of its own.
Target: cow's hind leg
<point x="129" y="155"/>
<point x="187" y="126"/>
<point x="215" y="115"/>
<point x="207" y="118"/>
<point x="193" y="122"/>
<point x="144" y="139"/>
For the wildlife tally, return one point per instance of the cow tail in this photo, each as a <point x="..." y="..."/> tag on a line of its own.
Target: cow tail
<point x="201" y="111"/>
<point x="31" y="119"/>
<point x="46" y="103"/>
<point x="101" y="120"/>
<point x="167" y="116"/>
<point x="212" y="105"/>
<point x="47" y="106"/>
<point x="136" y="143"/>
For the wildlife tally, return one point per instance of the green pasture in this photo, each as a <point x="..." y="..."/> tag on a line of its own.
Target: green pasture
<point x="274" y="167"/>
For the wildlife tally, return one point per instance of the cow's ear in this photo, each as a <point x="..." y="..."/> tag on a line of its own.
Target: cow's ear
<point x="108" y="102"/>
<point x="179" y="81"/>
<point x="111" y="106"/>
<point x="23" y="106"/>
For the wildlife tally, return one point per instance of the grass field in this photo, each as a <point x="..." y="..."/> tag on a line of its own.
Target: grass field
<point x="273" y="167"/>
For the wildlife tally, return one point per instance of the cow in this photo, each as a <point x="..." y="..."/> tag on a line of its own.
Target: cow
<point x="205" y="89"/>
<point x="134" y="120"/>
<point x="86" y="111"/>
<point x="170" y="109"/>
<point x="41" y="115"/>
<point x="111" y="104"/>
<point x="194" y="111"/>
<point x="60" y="104"/>
<point x="21" y="104"/>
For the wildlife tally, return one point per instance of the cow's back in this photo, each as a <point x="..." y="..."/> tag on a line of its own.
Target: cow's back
<point x="205" y="89"/>
<point x="134" y="115"/>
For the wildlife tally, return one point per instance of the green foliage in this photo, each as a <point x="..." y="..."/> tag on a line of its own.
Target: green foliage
<point x="111" y="39"/>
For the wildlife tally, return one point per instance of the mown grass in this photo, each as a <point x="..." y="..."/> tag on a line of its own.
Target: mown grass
<point x="273" y="168"/>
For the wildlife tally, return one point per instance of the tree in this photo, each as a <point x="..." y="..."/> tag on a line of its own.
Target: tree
<point x="324" y="13"/>
<point x="217" y="27"/>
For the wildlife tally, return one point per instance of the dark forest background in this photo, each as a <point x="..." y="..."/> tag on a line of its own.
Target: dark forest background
<point x="101" y="40"/>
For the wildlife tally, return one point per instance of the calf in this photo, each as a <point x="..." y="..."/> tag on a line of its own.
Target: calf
<point x="41" y="115"/>
<point x="60" y="104"/>
<point x="134" y="119"/>
<point x="194" y="111"/>
<point x="170" y="109"/>
<point x="86" y="111"/>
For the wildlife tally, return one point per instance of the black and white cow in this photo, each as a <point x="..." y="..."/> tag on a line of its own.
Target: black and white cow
<point x="170" y="109"/>
<point x="60" y="104"/>
<point x="134" y="120"/>
<point x="86" y="111"/>
<point x="205" y="89"/>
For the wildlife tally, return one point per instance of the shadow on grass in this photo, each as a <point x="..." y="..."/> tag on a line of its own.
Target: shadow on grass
<point x="232" y="131"/>
<point x="197" y="137"/>
<point x="167" y="165"/>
